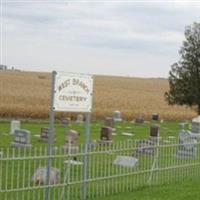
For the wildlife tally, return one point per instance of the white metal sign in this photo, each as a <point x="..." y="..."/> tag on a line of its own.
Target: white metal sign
<point x="73" y="92"/>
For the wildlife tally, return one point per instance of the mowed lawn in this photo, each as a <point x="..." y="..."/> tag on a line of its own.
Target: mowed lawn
<point x="189" y="190"/>
<point x="167" y="128"/>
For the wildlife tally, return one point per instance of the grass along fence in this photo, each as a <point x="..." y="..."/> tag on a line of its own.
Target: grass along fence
<point x="157" y="164"/>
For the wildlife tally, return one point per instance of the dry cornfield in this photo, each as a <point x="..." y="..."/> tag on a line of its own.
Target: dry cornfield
<point x="27" y="95"/>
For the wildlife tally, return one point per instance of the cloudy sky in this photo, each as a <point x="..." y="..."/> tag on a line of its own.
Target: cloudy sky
<point x="128" y="38"/>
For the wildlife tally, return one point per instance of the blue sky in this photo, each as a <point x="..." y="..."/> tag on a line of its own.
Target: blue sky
<point x="128" y="38"/>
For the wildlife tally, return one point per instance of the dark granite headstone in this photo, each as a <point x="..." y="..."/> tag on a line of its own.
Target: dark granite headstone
<point x="155" y="117"/>
<point x="44" y="135"/>
<point x="139" y="120"/>
<point x="154" y="130"/>
<point x="106" y="135"/>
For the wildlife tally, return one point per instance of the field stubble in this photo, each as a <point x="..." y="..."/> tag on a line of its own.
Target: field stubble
<point x="27" y="95"/>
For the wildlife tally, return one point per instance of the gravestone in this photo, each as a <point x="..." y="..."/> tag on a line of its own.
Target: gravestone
<point x="15" y="125"/>
<point x="196" y="125"/>
<point x="109" y="122"/>
<point x="65" y="121"/>
<point x="128" y="131"/>
<point x="117" y="116"/>
<point x="44" y="135"/>
<point x="139" y="120"/>
<point x="106" y="135"/>
<point x="187" y="145"/>
<point x="21" y="138"/>
<point x="125" y="161"/>
<point x="145" y="147"/>
<point x="154" y="132"/>
<point x="80" y="119"/>
<point x="40" y="176"/>
<point x="71" y="142"/>
<point x="155" y="117"/>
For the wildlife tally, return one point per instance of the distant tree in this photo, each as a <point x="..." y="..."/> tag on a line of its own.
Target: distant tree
<point x="184" y="76"/>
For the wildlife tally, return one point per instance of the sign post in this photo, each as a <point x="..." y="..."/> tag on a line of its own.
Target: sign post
<point x="51" y="134"/>
<point x="70" y="93"/>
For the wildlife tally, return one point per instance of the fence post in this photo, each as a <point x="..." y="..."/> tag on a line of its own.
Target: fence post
<point x="51" y="135"/>
<point x="85" y="158"/>
<point x="155" y="161"/>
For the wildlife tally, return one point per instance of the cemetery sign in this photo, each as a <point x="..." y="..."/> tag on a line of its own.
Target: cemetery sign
<point x="73" y="92"/>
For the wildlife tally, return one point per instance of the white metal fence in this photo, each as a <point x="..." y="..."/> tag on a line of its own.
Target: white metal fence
<point x="161" y="163"/>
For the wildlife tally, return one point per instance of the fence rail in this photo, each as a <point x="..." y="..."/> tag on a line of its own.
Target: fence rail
<point x="155" y="163"/>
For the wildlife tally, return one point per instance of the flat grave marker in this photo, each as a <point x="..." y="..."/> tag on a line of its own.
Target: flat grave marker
<point x="125" y="161"/>
<point x="40" y="176"/>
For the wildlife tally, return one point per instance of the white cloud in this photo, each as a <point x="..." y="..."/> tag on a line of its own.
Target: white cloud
<point x="101" y="38"/>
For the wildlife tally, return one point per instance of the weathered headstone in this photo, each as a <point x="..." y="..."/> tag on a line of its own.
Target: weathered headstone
<point x="106" y="135"/>
<point x="71" y="142"/>
<point x="40" y="176"/>
<point x="196" y="125"/>
<point x="117" y="116"/>
<point x="154" y="132"/>
<point x="21" y="138"/>
<point x="139" y="120"/>
<point x="109" y="121"/>
<point x="15" y="125"/>
<point x="187" y="145"/>
<point x="44" y="135"/>
<point x="155" y="117"/>
<point x="126" y="161"/>
<point x="65" y="121"/>
<point x="80" y="119"/>
<point x="145" y="147"/>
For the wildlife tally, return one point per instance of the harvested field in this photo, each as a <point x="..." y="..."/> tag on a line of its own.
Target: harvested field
<point x="27" y="95"/>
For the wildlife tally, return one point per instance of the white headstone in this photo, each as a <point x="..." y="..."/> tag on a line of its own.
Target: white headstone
<point x="117" y="116"/>
<point x="187" y="145"/>
<point x="196" y="125"/>
<point x="125" y="161"/>
<point x="15" y="125"/>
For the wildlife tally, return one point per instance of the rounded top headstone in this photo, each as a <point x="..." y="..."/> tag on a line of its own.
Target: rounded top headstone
<point x="182" y="126"/>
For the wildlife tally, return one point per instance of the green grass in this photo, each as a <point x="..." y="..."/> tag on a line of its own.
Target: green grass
<point x="139" y="131"/>
<point x="13" y="170"/>
<point x="187" y="190"/>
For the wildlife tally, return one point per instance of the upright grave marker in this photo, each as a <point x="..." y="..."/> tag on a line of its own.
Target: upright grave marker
<point x="21" y="138"/>
<point x="155" y="117"/>
<point x="80" y="119"/>
<point x="15" y="125"/>
<point x="117" y="116"/>
<point x="187" y="144"/>
<point x="71" y="142"/>
<point x="106" y="135"/>
<point x="70" y="93"/>
<point x="196" y="125"/>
